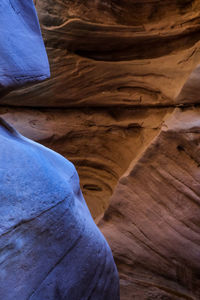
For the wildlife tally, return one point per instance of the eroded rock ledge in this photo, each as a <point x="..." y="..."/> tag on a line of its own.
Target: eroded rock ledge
<point x="115" y="53"/>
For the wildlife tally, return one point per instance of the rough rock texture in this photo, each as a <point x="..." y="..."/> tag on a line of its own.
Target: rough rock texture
<point x="119" y="71"/>
<point x="50" y="247"/>
<point x="154" y="213"/>
<point x="115" y="53"/>
<point x="93" y="140"/>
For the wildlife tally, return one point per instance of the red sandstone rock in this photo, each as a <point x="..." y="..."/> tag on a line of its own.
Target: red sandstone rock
<point x="94" y="140"/>
<point x="126" y="56"/>
<point x="115" y="53"/>
<point x="152" y="223"/>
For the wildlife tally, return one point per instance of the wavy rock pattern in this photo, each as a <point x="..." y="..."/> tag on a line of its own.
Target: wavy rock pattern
<point x="93" y="140"/>
<point x="155" y="211"/>
<point x="115" y="53"/>
<point x="50" y="247"/>
<point x="119" y="71"/>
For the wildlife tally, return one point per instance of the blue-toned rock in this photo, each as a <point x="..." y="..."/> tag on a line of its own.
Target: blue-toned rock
<point x="50" y="248"/>
<point x="23" y="58"/>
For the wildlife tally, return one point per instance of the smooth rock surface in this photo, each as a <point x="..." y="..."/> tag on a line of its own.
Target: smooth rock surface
<point x="23" y="58"/>
<point x="50" y="247"/>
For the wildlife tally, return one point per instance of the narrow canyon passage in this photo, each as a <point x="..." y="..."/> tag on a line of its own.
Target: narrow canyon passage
<point x="123" y="104"/>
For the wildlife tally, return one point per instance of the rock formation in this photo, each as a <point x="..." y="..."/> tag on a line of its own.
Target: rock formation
<point x="50" y="247"/>
<point x="122" y="105"/>
<point x="93" y="140"/>
<point x="115" y="53"/>
<point x="155" y="211"/>
<point x="23" y="57"/>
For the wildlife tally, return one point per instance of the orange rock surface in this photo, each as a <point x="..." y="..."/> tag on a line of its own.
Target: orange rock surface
<point x="123" y="105"/>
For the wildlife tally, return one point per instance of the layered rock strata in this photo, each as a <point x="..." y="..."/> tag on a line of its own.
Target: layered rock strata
<point x="119" y="71"/>
<point x="155" y="211"/>
<point x="93" y="140"/>
<point x="115" y="53"/>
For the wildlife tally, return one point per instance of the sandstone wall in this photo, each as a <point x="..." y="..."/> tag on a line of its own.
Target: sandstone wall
<point x="122" y="105"/>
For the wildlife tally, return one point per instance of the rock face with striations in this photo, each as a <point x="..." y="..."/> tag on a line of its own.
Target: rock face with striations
<point x="122" y="105"/>
<point x="115" y="53"/>
<point x="155" y="212"/>
<point x="50" y="247"/>
<point x="120" y="67"/>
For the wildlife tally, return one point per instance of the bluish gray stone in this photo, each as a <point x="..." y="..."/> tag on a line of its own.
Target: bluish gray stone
<point x="23" y="58"/>
<point x="50" y="248"/>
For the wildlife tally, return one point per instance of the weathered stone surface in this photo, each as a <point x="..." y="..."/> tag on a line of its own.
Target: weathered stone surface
<point x="125" y="57"/>
<point x="23" y="57"/>
<point x="115" y="53"/>
<point x="152" y="223"/>
<point x="50" y="247"/>
<point x="191" y="89"/>
<point x="101" y="143"/>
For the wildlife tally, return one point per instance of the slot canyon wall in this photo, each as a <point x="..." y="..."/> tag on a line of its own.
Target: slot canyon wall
<point x="123" y="105"/>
